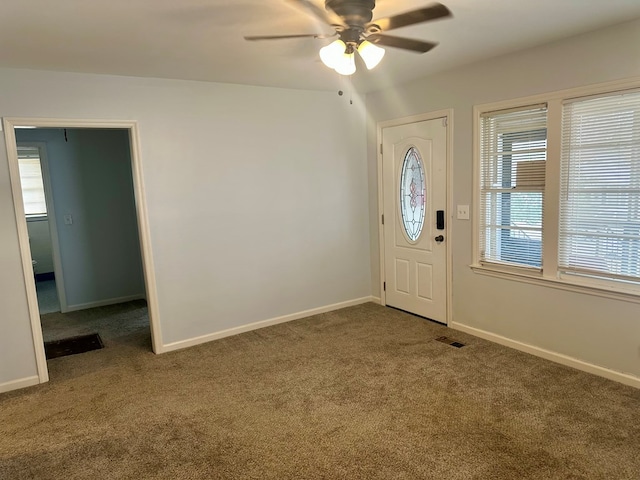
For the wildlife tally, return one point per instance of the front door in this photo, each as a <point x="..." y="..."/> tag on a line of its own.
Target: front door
<point x="414" y="197"/>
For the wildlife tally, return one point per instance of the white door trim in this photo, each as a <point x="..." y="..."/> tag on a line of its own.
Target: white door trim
<point x="445" y="114"/>
<point x="23" y="236"/>
<point x="53" y="226"/>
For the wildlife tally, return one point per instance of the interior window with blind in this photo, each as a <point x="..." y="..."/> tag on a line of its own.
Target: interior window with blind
<point x="31" y="181"/>
<point x="513" y="152"/>
<point x="588" y="188"/>
<point x="600" y="188"/>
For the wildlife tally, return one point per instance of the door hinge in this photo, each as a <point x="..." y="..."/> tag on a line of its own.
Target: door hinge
<point x="444" y="122"/>
<point x="380" y="149"/>
<point x="383" y="218"/>
<point x="384" y="286"/>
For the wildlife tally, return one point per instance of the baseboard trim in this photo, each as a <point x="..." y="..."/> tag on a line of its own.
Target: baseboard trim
<point x="169" y="347"/>
<point x="103" y="303"/>
<point x="377" y="300"/>
<point x="20" y="383"/>
<point x="625" y="378"/>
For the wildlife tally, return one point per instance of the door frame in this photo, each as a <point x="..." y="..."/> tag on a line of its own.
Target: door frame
<point x="23" y="236"/>
<point x="53" y="226"/>
<point x="447" y="115"/>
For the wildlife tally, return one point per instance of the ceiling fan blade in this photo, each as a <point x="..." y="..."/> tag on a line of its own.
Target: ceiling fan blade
<point x="252" y="38"/>
<point x="328" y="17"/>
<point x="432" y="12"/>
<point x="400" y="42"/>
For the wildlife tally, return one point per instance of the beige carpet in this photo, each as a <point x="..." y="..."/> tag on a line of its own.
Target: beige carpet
<point x="117" y="324"/>
<point x="361" y="393"/>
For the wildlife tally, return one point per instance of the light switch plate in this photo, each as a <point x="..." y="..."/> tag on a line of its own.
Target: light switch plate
<point x="463" y="212"/>
<point x="68" y="219"/>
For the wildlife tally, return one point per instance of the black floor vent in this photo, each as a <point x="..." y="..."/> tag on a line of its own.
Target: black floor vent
<point x="72" y="345"/>
<point x="450" y="341"/>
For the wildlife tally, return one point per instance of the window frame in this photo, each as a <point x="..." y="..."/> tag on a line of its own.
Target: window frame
<point x="616" y="183"/>
<point x="21" y="157"/>
<point x="549" y="276"/>
<point x="507" y="193"/>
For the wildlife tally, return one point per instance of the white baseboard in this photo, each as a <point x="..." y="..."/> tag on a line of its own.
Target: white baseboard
<point x="103" y="303"/>
<point x="377" y="300"/>
<point x="625" y="378"/>
<point x="20" y="383"/>
<point x="169" y="347"/>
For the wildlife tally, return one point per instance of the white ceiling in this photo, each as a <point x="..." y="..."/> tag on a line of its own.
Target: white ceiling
<point x="203" y="39"/>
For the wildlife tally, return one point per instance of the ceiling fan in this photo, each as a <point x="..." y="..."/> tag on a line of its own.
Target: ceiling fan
<point x="351" y="20"/>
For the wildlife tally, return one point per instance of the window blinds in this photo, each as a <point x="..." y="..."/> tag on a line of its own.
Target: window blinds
<point x="600" y="187"/>
<point x="31" y="181"/>
<point x="513" y="151"/>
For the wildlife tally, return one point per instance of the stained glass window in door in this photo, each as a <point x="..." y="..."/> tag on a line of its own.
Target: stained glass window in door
<point x="412" y="194"/>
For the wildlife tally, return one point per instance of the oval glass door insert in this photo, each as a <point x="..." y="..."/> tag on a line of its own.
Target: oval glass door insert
<point x="412" y="194"/>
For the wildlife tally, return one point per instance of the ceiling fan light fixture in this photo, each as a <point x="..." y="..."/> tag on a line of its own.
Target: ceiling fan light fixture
<point x="351" y="21"/>
<point x="331" y="55"/>
<point x="370" y="53"/>
<point x="347" y="64"/>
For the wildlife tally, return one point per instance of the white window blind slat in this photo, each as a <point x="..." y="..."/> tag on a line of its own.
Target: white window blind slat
<point x="31" y="181"/>
<point x="600" y="188"/>
<point x="513" y="150"/>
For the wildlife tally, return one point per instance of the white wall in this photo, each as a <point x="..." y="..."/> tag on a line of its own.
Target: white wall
<point x="596" y="330"/>
<point x="91" y="180"/>
<point x="257" y="198"/>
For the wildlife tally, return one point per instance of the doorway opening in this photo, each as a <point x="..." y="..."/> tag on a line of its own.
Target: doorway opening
<point x="83" y="231"/>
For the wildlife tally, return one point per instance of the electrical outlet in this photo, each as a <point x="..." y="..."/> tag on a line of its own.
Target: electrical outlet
<point x="463" y="212"/>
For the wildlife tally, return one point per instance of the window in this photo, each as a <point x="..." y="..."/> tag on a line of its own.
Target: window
<point x="31" y="181"/>
<point x="600" y="188"/>
<point x="558" y="189"/>
<point x="513" y="150"/>
<point x="412" y="194"/>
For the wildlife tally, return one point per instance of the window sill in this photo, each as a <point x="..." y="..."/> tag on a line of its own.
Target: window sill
<point x="536" y="278"/>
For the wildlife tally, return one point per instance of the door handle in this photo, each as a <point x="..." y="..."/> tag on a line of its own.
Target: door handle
<point x="439" y="238"/>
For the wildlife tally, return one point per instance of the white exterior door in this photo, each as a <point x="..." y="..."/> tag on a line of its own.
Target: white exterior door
<point x="414" y="190"/>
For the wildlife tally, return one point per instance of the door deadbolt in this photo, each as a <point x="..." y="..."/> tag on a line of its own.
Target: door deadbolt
<point x="440" y="219"/>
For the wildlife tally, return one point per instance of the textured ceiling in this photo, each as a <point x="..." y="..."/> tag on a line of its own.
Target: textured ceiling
<point x="203" y="39"/>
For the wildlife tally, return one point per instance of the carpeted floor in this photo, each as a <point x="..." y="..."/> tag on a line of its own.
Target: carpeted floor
<point x="361" y="393"/>
<point x="114" y="323"/>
